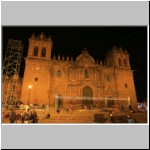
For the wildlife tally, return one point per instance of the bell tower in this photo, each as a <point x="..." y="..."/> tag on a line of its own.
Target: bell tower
<point x="36" y="80"/>
<point x="40" y="47"/>
<point x="118" y="60"/>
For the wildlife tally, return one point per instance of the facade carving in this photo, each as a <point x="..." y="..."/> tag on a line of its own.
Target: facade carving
<point x="82" y="79"/>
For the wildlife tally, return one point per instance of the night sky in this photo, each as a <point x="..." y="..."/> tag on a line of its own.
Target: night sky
<point x="97" y="40"/>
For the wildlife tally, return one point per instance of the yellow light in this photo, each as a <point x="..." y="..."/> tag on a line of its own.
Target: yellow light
<point x="30" y="86"/>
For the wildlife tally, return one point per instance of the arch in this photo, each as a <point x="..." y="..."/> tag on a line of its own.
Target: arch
<point x="35" y="52"/>
<point x="86" y="74"/>
<point x="110" y="102"/>
<point x="43" y="54"/>
<point x="126" y="85"/>
<point x="85" y="59"/>
<point x="120" y="62"/>
<point x="87" y="94"/>
<point x="58" y="102"/>
<point x="58" y="73"/>
<point x="125" y="62"/>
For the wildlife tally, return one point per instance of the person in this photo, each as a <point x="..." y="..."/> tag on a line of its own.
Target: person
<point x="26" y="117"/>
<point x="67" y="110"/>
<point x="122" y="107"/>
<point x="85" y="107"/>
<point x="7" y="115"/>
<point x="3" y="116"/>
<point x="47" y="116"/>
<point x="58" y="111"/>
<point x="12" y="116"/>
<point x="91" y="107"/>
<point x="22" y="118"/>
<point x="44" y="115"/>
<point x="27" y="108"/>
<point x="35" y="117"/>
<point x="71" y="107"/>
<point x="130" y="108"/>
<point x="44" y="107"/>
<point x="18" y="118"/>
<point x="31" y="117"/>
<point x="109" y="120"/>
<point x="130" y="119"/>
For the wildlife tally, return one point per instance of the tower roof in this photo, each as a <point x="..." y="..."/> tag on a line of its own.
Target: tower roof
<point x="42" y="36"/>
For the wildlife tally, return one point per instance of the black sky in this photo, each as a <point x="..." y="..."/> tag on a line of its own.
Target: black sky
<point x="97" y="40"/>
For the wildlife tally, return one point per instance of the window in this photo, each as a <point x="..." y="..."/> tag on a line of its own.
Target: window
<point x="58" y="73"/>
<point x="120" y="62"/>
<point x="125" y="62"/>
<point x="36" y="79"/>
<point x="43" y="54"/>
<point x="86" y="74"/>
<point x="35" y="53"/>
<point x="126" y="85"/>
<point x="100" y="77"/>
<point x="107" y="78"/>
<point x="14" y="88"/>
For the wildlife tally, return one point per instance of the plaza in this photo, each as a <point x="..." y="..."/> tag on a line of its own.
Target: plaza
<point x="70" y="89"/>
<point x="84" y="117"/>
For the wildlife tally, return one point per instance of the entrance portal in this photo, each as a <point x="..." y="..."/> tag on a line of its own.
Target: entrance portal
<point x="87" y="94"/>
<point x="110" y="102"/>
<point x="58" y="102"/>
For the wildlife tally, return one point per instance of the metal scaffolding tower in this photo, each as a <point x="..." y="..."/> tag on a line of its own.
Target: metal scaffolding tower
<point x="11" y="69"/>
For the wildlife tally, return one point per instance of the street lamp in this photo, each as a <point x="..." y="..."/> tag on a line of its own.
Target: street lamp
<point x="49" y="92"/>
<point x="30" y="86"/>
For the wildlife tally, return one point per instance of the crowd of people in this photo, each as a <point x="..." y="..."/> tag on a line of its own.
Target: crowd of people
<point x="120" y="119"/>
<point x="30" y="116"/>
<point x="26" y="117"/>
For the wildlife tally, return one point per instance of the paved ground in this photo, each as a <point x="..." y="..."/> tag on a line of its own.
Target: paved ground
<point x="81" y="116"/>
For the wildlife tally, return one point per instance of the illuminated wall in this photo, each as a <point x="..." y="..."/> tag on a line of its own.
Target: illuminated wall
<point x="66" y="77"/>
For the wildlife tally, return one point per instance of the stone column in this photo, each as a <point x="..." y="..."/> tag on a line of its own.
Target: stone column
<point x="79" y="74"/>
<point x="95" y="75"/>
<point x="105" y="103"/>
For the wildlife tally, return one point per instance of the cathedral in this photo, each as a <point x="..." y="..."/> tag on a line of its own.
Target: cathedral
<point x="59" y="81"/>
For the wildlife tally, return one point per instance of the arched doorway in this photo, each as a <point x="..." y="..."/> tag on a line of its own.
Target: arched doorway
<point x="87" y="94"/>
<point x="58" y="102"/>
<point x="110" y="102"/>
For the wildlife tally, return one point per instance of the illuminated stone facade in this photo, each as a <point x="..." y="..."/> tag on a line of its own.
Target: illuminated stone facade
<point x="71" y="80"/>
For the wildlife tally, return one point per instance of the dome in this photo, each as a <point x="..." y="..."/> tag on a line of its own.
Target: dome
<point x="85" y="60"/>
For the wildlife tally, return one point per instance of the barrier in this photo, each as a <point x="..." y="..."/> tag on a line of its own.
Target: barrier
<point x="99" y="118"/>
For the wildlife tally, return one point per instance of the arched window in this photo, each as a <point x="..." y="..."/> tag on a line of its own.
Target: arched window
<point x="59" y="73"/>
<point x="36" y="79"/>
<point x="35" y="53"/>
<point x="86" y="74"/>
<point x="125" y="62"/>
<point x="43" y="54"/>
<point x="126" y="85"/>
<point x="120" y="62"/>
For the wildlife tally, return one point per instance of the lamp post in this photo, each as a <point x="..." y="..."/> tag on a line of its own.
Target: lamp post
<point x="30" y="86"/>
<point x="49" y="98"/>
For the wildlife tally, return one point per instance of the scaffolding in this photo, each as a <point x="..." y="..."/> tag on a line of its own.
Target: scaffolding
<point x="11" y="69"/>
